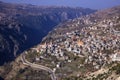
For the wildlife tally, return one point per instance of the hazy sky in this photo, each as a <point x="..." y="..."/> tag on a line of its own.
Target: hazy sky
<point x="94" y="4"/>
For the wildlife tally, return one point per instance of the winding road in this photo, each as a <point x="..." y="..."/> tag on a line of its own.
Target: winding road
<point x="33" y="65"/>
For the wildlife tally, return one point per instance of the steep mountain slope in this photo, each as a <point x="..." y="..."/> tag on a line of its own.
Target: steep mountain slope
<point x="85" y="48"/>
<point x="23" y="26"/>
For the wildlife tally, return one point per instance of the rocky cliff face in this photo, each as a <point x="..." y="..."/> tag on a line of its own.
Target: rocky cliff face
<point x="23" y="26"/>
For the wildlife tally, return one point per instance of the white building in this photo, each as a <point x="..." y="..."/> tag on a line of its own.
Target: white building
<point x="116" y="57"/>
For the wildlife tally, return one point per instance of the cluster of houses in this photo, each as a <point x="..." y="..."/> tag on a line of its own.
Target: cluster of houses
<point x="99" y="44"/>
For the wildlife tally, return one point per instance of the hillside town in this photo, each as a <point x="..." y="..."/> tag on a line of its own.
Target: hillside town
<point x="59" y="40"/>
<point x="98" y="44"/>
